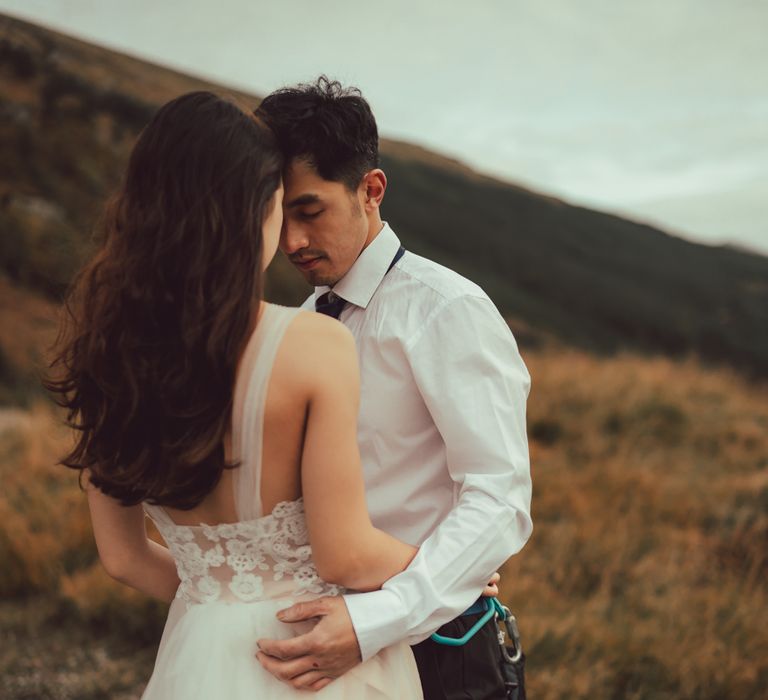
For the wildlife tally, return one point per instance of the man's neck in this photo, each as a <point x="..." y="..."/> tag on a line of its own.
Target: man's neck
<point x="375" y="227"/>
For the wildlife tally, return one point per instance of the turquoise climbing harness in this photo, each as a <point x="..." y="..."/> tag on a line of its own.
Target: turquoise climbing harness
<point x="493" y="608"/>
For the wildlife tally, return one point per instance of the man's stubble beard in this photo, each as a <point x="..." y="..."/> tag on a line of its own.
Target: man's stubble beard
<point x="323" y="281"/>
<point x="320" y="280"/>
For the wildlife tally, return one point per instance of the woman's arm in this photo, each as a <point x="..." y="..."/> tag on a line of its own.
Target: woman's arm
<point x="346" y="548"/>
<point x="126" y="552"/>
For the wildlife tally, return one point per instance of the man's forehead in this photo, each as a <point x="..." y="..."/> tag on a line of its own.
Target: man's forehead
<point x="302" y="170"/>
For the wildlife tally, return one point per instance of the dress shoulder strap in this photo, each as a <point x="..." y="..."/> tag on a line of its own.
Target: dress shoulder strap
<point x="158" y="514"/>
<point x="248" y="407"/>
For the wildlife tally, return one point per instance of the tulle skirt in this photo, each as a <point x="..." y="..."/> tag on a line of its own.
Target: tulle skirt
<point x="208" y="652"/>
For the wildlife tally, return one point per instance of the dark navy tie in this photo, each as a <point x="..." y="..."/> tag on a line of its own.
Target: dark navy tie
<point x="331" y="304"/>
<point x="328" y="306"/>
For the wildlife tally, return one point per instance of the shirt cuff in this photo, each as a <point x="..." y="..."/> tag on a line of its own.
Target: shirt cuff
<point x="379" y="619"/>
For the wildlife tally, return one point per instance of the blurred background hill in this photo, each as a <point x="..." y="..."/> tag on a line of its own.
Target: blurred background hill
<point x="646" y="575"/>
<point x="70" y="112"/>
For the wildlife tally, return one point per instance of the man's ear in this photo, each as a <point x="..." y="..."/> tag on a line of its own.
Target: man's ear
<point x="374" y="184"/>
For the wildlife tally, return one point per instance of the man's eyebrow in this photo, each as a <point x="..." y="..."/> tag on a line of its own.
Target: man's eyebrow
<point x="303" y="199"/>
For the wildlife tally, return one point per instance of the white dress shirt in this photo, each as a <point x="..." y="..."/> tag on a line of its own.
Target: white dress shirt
<point x="442" y="436"/>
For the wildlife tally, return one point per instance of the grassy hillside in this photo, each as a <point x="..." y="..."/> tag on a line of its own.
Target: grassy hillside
<point x="70" y="112"/>
<point x="646" y="576"/>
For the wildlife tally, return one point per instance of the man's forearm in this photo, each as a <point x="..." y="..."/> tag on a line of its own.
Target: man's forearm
<point x="153" y="572"/>
<point x="448" y="574"/>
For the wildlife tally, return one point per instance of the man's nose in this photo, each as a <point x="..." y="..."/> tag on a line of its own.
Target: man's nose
<point x="292" y="237"/>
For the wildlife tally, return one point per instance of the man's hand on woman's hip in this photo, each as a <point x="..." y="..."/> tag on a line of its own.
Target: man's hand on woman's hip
<point x="311" y="661"/>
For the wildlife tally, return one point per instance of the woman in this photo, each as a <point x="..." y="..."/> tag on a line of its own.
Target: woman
<point x="230" y="421"/>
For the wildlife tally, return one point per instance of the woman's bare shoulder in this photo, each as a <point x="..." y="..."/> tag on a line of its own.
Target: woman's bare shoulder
<point x="316" y="346"/>
<point x="317" y="330"/>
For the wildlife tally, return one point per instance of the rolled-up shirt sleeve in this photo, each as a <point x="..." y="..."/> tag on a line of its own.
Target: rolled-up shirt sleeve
<point x="468" y="369"/>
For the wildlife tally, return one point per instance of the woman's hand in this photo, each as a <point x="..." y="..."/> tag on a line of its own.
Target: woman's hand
<point x="492" y="589"/>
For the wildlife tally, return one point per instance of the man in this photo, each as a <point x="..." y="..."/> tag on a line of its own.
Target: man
<point x="442" y="419"/>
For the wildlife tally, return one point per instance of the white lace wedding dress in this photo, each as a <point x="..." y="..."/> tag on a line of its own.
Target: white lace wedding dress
<point x="236" y="576"/>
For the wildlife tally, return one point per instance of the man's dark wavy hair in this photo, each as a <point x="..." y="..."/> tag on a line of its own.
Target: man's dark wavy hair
<point x="330" y="126"/>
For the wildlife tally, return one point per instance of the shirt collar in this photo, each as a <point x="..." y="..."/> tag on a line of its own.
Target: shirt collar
<point x="363" y="278"/>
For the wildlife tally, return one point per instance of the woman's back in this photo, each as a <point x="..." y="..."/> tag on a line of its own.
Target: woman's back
<point x="248" y="539"/>
<point x="264" y="371"/>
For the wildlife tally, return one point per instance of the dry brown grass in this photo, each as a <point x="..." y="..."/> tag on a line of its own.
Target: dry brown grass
<point x="46" y="539"/>
<point x="646" y="573"/>
<point x="66" y="629"/>
<point x="645" y="576"/>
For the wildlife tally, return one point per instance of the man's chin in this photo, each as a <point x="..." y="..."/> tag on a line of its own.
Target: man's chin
<point x="318" y="279"/>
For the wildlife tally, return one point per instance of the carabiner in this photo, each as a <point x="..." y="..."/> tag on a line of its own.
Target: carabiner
<point x="510" y="623"/>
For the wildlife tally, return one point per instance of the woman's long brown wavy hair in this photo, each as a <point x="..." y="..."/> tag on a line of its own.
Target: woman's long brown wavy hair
<point x="154" y="323"/>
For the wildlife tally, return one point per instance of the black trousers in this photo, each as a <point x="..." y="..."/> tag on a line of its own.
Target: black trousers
<point x="469" y="672"/>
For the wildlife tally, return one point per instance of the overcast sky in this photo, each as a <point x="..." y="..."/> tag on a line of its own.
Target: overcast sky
<point x="657" y="110"/>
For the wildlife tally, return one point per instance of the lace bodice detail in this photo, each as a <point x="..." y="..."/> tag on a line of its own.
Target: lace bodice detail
<point x="265" y="558"/>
